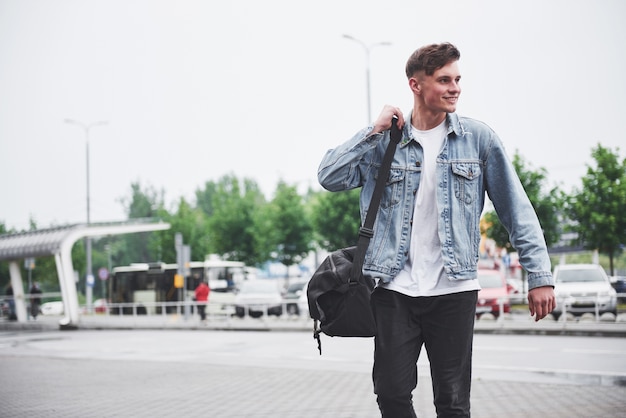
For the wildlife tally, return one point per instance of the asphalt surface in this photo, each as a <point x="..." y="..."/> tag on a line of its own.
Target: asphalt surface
<point x="46" y="372"/>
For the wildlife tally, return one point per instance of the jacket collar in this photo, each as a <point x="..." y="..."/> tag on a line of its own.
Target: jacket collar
<point x="454" y="125"/>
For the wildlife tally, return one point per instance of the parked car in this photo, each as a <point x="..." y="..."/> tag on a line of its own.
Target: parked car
<point x="303" y="303"/>
<point x="100" y="306"/>
<point x="619" y="284"/>
<point x="5" y="309"/>
<point x="580" y="288"/>
<point x="52" y="308"/>
<point x="517" y="295"/>
<point x="494" y="291"/>
<point x="291" y="296"/>
<point x="256" y="297"/>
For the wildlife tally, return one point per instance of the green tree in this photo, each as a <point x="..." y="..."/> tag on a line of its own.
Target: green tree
<point x="285" y="229"/>
<point x="205" y="197"/>
<point x="143" y="203"/>
<point x="548" y="206"/>
<point x="598" y="208"/>
<point x="493" y="229"/>
<point x="231" y="230"/>
<point x="548" y="203"/>
<point x="336" y="219"/>
<point x="190" y="222"/>
<point x="45" y="273"/>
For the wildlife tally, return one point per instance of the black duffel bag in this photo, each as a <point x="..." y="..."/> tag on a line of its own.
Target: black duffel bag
<point x="341" y="304"/>
<point x="338" y="292"/>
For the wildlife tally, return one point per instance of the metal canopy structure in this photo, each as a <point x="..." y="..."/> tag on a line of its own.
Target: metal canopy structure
<point x="58" y="242"/>
<point x="39" y="243"/>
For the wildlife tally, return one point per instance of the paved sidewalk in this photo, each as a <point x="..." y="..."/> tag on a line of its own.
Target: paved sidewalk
<point x="41" y="387"/>
<point x="37" y="379"/>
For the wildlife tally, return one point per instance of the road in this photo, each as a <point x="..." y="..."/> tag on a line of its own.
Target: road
<point x="547" y="359"/>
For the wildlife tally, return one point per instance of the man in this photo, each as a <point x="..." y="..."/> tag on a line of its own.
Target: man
<point x="424" y="251"/>
<point x="35" y="301"/>
<point x="202" y="297"/>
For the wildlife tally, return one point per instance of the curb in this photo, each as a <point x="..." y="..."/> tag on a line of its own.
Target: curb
<point x="506" y="327"/>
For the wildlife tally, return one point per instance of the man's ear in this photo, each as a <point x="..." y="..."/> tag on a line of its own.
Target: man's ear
<point x="415" y="85"/>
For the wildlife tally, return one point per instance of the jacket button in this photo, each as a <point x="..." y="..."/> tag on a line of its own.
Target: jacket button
<point x="418" y="163"/>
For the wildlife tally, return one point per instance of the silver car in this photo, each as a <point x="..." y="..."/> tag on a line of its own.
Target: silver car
<point x="258" y="297"/>
<point x="581" y="288"/>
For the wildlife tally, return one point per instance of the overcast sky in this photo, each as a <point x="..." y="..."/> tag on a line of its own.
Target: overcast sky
<point x="194" y="90"/>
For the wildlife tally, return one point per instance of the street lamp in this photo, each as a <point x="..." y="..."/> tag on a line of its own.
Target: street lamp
<point x="89" y="275"/>
<point x="367" y="49"/>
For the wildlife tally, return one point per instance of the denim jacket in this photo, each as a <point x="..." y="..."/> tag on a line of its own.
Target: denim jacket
<point x="472" y="161"/>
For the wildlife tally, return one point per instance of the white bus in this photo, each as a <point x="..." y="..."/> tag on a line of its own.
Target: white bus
<point x="151" y="283"/>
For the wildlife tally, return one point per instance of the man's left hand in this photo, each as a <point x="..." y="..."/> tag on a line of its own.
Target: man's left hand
<point x="541" y="301"/>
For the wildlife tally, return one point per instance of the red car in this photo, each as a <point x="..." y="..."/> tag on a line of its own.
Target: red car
<point x="100" y="306"/>
<point x="494" y="292"/>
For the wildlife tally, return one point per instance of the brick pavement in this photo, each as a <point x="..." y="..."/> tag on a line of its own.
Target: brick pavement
<point x="36" y="386"/>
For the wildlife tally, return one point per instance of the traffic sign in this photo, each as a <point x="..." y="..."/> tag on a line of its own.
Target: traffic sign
<point x="103" y="273"/>
<point x="179" y="281"/>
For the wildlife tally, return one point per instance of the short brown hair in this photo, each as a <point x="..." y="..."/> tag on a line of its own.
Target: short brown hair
<point x="431" y="57"/>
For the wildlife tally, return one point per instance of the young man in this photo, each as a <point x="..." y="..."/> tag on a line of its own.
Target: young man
<point x="424" y="251"/>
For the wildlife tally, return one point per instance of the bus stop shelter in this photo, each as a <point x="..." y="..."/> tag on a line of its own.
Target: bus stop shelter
<point x="58" y="242"/>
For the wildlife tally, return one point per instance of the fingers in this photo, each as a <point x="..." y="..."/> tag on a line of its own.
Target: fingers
<point x="383" y="122"/>
<point x="400" y="116"/>
<point x="541" y="301"/>
<point x="394" y="111"/>
<point x="541" y="310"/>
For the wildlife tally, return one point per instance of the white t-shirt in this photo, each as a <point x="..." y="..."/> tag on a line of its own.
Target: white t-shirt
<point x="423" y="273"/>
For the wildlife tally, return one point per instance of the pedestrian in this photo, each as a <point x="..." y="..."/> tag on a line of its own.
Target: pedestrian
<point x="11" y="301"/>
<point x="202" y="297"/>
<point x="424" y="251"/>
<point x="35" y="301"/>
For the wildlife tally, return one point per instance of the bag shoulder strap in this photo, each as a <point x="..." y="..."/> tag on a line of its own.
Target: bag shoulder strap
<point x="367" y="230"/>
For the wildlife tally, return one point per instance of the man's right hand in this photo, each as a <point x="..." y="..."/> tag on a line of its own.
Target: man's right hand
<point x="383" y="122"/>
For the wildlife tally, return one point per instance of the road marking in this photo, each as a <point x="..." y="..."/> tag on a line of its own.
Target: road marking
<point x="508" y="349"/>
<point x="593" y="351"/>
<point x="552" y="371"/>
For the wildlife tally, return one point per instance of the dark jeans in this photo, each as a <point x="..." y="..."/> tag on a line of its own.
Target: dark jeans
<point x="445" y="326"/>
<point x="34" y="309"/>
<point x="202" y="311"/>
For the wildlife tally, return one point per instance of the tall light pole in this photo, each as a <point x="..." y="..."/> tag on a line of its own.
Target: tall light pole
<point x="89" y="280"/>
<point x="368" y="49"/>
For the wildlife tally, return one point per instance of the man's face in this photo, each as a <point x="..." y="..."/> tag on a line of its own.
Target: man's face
<point x="439" y="92"/>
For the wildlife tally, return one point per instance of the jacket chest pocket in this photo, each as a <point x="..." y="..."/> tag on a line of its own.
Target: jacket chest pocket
<point x="393" y="189"/>
<point x="465" y="177"/>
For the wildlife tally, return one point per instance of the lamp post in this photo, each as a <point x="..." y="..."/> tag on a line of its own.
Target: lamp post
<point x="368" y="49"/>
<point x="89" y="280"/>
